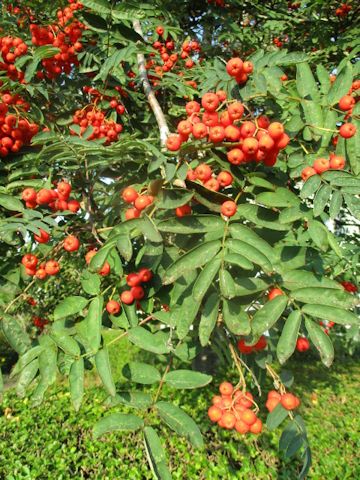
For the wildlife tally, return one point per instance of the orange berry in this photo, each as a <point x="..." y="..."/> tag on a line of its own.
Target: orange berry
<point x="256" y="427"/>
<point x="226" y="388"/>
<point x="228" y="208"/>
<point x="307" y="173"/>
<point x="321" y="165"/>
<point x="275" y="292"/>
<point x="214" y="413"/>
<point x="248" y="417"/>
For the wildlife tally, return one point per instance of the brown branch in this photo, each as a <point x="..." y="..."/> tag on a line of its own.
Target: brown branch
<point x="159" y="114"/>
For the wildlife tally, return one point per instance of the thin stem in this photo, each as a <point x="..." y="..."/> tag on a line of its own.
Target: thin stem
<point x="155" y="106"/>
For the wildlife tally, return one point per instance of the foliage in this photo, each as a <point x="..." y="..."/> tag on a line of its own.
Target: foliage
<point x="74" y="79"/>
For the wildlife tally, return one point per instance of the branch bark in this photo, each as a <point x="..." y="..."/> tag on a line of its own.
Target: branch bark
<point x="159" y="114"/>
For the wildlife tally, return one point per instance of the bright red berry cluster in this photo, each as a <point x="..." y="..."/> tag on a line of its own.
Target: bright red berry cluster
<point x="261" y="344"/>
<point x="258" y="141"/>
<point x="30" y="262"/>
<point x="287" y="400"/>
<point x="140" y="202"/>
<point x="102" y="127"/>
<point x="205" y="175"/>
<point x="233" y="410"/>
<point x="350" y="287"/>
<point x="64" y="35"/>
<point x="239" y="69"/>
<point x="12" y="48"/>
<point x="39" y="322"/>
<point x="134" y="280"/>
<point x="343" y="11"/>
<point x="15" y="131"/>
<point x="56" y="199"/>
<point x="322" y="164"/>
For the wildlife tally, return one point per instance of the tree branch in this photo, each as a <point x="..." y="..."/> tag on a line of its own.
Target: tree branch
<point x="159" y="114"/>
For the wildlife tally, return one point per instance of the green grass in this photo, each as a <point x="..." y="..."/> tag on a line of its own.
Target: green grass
<point x="53" y="442"/>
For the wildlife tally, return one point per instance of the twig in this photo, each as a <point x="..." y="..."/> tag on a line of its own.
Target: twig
<point x="159" y="114"/>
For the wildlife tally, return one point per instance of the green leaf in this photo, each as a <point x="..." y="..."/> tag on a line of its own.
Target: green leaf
<point x="155" y="455"/>
<point x="293" y="279"/>
<point x="208" y="319"/>
<point x="310" y="186"/>
<point x="90" y="327"/>
<point x="15" y="335"/>
<point x="180" y="422"/>
<point x="250" y="252"/>
<point x="305" y="82"/>
<point x="324" y="296"/>
<point x="261" y="182"/>
<point x="239" y="260"/>
<point x="195" y="258"/>
<point x="117" y="422"/>
<point x="291" y="214"/>
<point x="130" y="399"/>
<point x="100" y="6"/>
<point x="124" y="246"/>
<point x="1" y="386"/>
<point x="294" y="446"/>
<point x="341" y="85"/>
<point x="236" y="319"/>
<point x="332" y="314"/>
<point x="98" y="260"/>
<point x="205" y="279"/>
<point x="260" y="82"/>
<point x="227" y="284"/>
<point x="289" y="432"/>
<point x="313" y="116"/>
<point x="139" y="372"/>
<point x="47" y="365"/>
<point x="103" y="366"/>
<point x="318" y="233"/>
<point x="76" y="382"/>
<point x="11" y="203"/>
<point x="246" y="234"/>
<point x="324" y="78"/>
<point x="26" y="376"/>
<point x="282" y="197"/>
<point x="321" y="198"/>
<point x="268" y="315"/>
<point x="187" y="379"/>
<point x="70" y="306"/>
<point x="90" y="282"/>
<point x="353" y="204"/>
<point x="260" y="216"/>
<point x="149" y="229"/>
<point x="26" y="358"/>
<point x="96" y="22"/>
<point x="173" y="198"/>
<point x="65" y="342"/>
<point x="321" y="341"/>
<point x="248" y="286"/>
<point x="276" y="417"/>
<point x="334" y="244"/>
<point x="287" y="341"/>
<point x="192" y="224"/>
<point x="148" y="341"/>
<point x="335" y="204"/>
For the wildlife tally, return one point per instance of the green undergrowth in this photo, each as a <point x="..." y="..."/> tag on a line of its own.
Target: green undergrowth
<point x="52" y="441"/>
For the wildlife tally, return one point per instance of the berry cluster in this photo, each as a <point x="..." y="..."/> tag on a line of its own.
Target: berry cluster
<point x="204" y="174"/>
<point x="15" y="131"/>
<point x="238" y="69"/>
<point x="294" y="6"/>
<point x="133" y="280"/>
<point x="39" y="322"/>
<point x="326" y="326"/>
<point x="11" y="49"/>
<point x="56" y="199"/>
<point x="65" y="35"/>
<point x="102" y="128"/>
<point x="287" y="400"/>
<point x="258" y="141"/>
<point x="233" y="410"/>
<point x="30" y="261"/>
<point x="350" y="287"/>
<point x="343" y="11"/>
<point x="322" y="164"/>
<point x="140" y="202"/>
<point x="260" y="345"/>
<point x="169" y="57"/>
